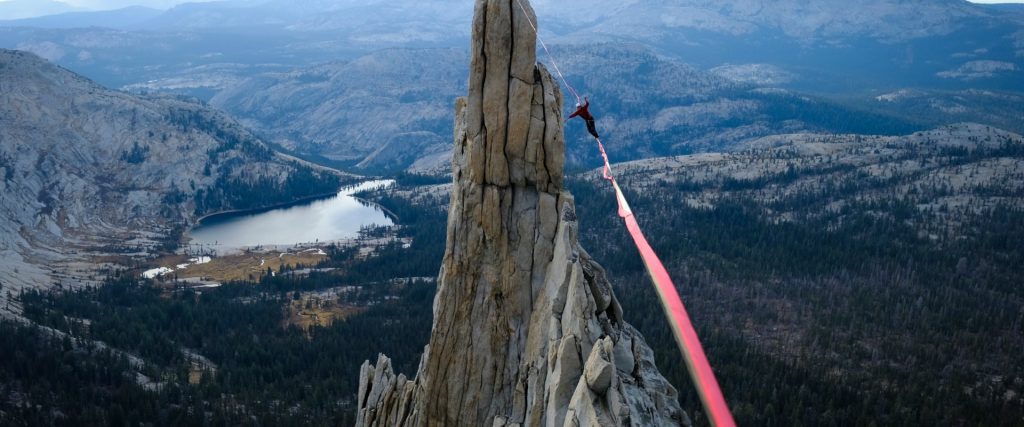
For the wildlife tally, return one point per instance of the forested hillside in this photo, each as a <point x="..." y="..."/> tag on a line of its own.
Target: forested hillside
<point x="837" y="280"/>
<point x="227" y="355"/>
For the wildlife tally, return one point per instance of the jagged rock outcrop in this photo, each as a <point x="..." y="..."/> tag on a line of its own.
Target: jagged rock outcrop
<point x="527" y="330"/>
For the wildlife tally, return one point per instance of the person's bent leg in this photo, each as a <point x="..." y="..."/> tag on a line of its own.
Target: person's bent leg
<point x="592" y="127"/>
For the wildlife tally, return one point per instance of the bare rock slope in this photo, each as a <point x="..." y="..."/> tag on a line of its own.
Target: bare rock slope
<point x="350" y="111"/>
<point x="527" y="330"/>
<point x="89" y="175"/>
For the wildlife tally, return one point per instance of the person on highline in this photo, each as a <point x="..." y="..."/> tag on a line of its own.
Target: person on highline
<point x="583" y="111"/>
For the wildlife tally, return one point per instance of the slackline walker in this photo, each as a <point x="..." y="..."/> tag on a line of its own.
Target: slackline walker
<point x="682" y="328"/>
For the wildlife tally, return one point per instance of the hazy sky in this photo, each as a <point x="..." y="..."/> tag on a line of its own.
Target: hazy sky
<point x="163" y="4"/>
<point x="104" y="4"/>
<point x="114" y="4"/>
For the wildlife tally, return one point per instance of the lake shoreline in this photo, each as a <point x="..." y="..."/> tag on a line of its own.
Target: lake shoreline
<point x="293" y="203"/>
<point x="265" y="209"/>
<point x="318" y="218"/>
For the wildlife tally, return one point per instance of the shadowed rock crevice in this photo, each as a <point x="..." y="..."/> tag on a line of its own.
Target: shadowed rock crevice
<point x="527" y="330"/>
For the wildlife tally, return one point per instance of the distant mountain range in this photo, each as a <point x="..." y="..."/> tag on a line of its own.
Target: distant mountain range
<point x="387" y="111"/>
<point x="828" y="45"/>
<point x="125" y="18"/>
<point x="1006" y="7"/>
<point x="312" y="76"/>
<point x="390" y="110"/>
<point x="631" y="19"/>
<point x="805" y="20"/>
<point x="19" y="9"/>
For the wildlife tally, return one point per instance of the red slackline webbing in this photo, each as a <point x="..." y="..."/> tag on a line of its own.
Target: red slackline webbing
<point x="689" y="344"/>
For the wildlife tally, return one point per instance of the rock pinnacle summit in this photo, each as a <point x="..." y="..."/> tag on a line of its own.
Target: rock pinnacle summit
<point x="527" y="330"/>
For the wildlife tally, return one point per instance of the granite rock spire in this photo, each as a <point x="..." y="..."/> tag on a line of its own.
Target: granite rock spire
<point x="527" y="330"/>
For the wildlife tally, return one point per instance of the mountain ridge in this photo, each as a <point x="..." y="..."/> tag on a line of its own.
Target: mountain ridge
<point x="823" y="45"/>
<point x="647" y="105"/>
<point x="17" y="9"/>
<point x="348" y="110"/>
<point x="124" y="18"/>
<point x="93" y="175"/>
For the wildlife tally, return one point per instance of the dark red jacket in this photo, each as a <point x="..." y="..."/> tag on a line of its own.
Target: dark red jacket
<point x="583" y="111"/>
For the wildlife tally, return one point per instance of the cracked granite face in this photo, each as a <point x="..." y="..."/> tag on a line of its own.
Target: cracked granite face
<point x="527" y="329"/>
